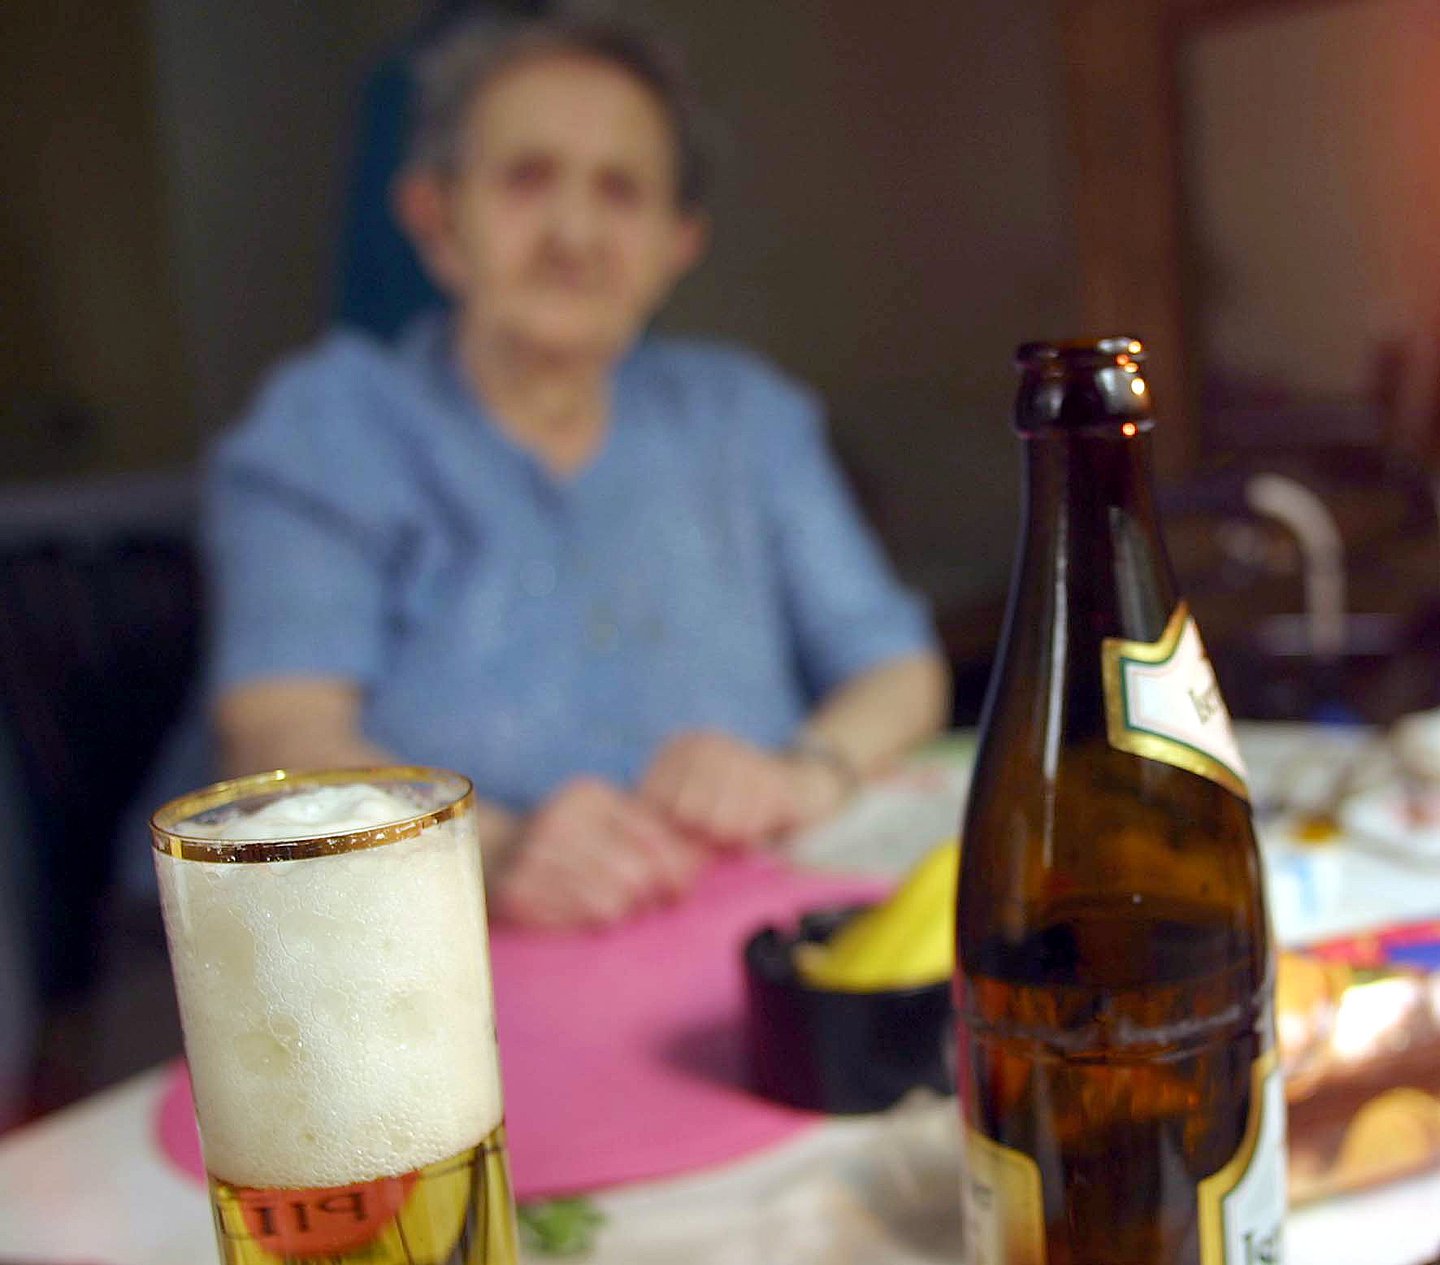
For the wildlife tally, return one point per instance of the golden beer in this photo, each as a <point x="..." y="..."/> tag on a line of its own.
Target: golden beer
<point x="452" y="1212"/>
<point x="328" y="941"/>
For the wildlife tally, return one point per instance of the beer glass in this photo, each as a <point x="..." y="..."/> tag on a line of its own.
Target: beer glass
<point x="328" y="942"/>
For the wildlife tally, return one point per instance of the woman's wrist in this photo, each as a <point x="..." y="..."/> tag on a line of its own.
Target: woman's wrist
<point x="822" y="751"/>
<point x="830" y="777"/>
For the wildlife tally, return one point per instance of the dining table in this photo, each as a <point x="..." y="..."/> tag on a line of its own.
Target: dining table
<point x="92" y="1185"/>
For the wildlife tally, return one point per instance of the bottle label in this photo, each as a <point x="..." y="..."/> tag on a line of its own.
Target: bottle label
<point x="1162" y="702"/>
<point x="1002" y="1204"/>
<point x="1242" y="1205"/>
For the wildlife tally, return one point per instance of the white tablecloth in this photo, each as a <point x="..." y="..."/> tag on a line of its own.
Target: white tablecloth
<point x="88" y="1187"/>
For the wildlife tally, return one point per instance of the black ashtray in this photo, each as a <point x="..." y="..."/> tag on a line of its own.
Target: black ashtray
<point x="841" y="1053"/>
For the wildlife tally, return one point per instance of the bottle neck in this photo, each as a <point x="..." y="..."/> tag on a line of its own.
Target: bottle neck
<point x="1092" y="551"/>
<point x="1092" y="565"/>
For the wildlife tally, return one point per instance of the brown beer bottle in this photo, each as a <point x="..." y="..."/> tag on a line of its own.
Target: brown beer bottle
<point x="1116" y="1066"/>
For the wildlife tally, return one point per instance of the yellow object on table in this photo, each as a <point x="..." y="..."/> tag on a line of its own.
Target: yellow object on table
<point x="908" y="941"/>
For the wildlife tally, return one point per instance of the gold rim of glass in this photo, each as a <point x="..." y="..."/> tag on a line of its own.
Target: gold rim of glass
<point x="166" y="838"/>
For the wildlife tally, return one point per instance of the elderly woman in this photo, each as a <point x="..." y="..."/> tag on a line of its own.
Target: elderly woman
<point x="615" y="579"/>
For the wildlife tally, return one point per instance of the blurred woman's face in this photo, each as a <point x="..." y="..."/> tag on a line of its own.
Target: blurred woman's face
<point x="561" y="232"/>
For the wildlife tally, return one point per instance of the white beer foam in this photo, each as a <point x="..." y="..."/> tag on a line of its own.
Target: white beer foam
<point x="317" y="812"/>
<point x="337" y="1010"/>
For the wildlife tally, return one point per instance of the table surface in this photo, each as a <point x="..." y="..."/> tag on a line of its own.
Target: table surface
<point x="89" y="1186"/>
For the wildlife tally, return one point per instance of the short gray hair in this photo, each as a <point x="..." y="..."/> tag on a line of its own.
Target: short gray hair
<point x="453" y="74"/>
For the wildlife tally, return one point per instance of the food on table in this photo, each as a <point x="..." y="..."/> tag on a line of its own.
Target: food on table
<point x="1361" y="1049"/>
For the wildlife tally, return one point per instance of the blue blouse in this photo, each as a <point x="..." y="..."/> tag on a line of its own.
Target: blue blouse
<point x="707" y="569"/>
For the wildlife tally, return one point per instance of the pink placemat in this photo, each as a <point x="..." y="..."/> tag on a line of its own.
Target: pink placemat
<point x="621" y="1050"/>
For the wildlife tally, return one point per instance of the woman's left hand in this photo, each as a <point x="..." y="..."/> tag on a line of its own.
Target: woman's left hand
<point x="736" y="795"/>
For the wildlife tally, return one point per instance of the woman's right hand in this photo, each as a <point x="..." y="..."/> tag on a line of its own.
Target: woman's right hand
<point x="591" y="855"/>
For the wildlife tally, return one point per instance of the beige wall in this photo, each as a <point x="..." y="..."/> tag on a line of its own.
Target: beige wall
<point x="256" y="104"/>
<point x="1315" y="188"/>
<point x="172" y="175"/>
<point x="92" y="373"/>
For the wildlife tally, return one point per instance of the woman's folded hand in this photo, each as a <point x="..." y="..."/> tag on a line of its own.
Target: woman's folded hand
<point x="592" y="854"/>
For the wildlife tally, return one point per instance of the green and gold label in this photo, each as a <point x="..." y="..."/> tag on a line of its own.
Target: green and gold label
<point x="1003" y="1207"/>
<point x="1162" y="702"/>
<point x="1242" y="1205"/>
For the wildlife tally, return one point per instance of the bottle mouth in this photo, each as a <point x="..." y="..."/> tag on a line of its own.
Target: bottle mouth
<point x="1116" y="350"/>
<point x="1089" y="384"/>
